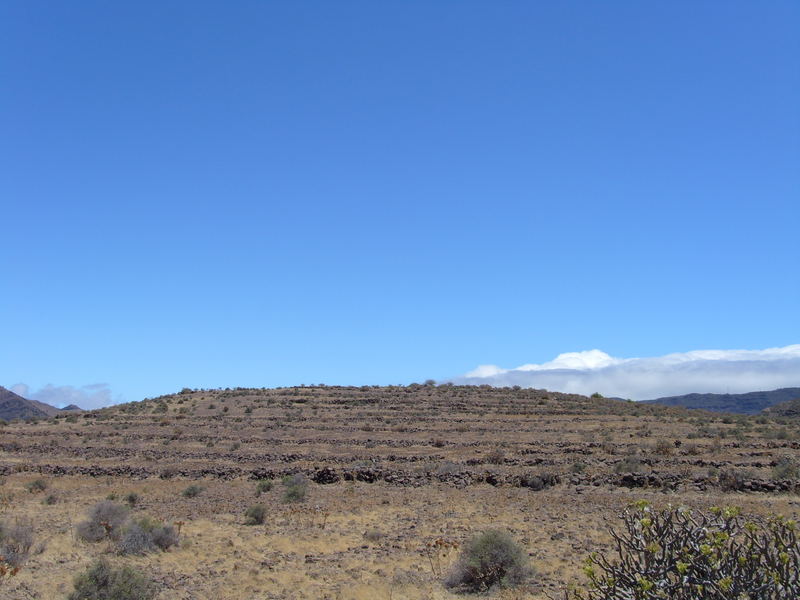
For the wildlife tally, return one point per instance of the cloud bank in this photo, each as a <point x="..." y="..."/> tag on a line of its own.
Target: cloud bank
<point x="703" y="371"/>
<point x="91" y="396"/>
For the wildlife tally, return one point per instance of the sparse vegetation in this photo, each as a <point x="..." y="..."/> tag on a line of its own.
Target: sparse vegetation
<point x="105" y="521"/>
<point x="192" y="491"/>
<point x="255" y="515"/>
<point x="678" y="553"/>
<point x="296" y="488"/>
<point x="101" y="581"/>
<point x="390" y="476"/>
<point x="490" y="559"/>
<point x="15" y="544"/>
<point x="263" y="486"/>
<point x="786" y="468"/>
<point x="146" y="535"/>
<point x="37" y="485"/>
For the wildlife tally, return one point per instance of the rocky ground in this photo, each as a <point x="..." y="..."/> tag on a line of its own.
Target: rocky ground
<point x="391" y="470"/>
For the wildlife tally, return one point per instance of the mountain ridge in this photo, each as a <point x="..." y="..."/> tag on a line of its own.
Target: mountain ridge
<point x="13" y="406"/>
<point x="749" y="403"/>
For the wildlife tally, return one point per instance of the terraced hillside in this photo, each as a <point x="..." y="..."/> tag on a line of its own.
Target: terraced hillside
<point x="390" y="470"/>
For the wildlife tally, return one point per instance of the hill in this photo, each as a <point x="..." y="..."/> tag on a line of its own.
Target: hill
<point x="750" y="403"/>
<point x="13" y="406"/>
<point x="790" y="409"/>
<point x="367" y="488"/>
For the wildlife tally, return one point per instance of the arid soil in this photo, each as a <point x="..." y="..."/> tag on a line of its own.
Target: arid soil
<point x="392" y="470"/>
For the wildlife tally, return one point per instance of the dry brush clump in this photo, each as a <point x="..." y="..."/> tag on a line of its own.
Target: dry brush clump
<point x="682" y="554"/>
<point x="15" y="545"/>
<point x="490" y="559"/>
<point x="111" y="521"/>
<point x="105" y="521"/>
<point x="102" y="581"/>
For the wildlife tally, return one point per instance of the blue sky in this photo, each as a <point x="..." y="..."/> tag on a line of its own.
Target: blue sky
<point x="270" y="193"/>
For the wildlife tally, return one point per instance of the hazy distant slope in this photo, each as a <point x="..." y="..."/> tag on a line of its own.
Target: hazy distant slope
<point x="750" y="403"/>
<point x="14" y="406"/>
<point x="790" y="408"/>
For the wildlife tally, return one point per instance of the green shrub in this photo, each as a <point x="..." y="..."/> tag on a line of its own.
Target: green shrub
<point x="296" y="488"/>
<point x="263" y="486"/>
<point x="491" y="559"/>
<point x="255" y="515"/>
<point x="683" y="554"/>
<point x="192" y="491"/>
<point x="104" y="582"/>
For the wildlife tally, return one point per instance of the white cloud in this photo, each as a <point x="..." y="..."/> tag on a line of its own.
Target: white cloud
<point x="90" y="396"/>
<point x="716" y="371"/>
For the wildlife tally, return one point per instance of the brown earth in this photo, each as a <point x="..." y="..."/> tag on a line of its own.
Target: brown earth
<point x="393" y="469"/>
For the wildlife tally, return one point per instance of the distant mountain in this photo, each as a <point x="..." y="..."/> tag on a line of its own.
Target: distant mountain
<point x="14" y="406"/>
<point x="750" y="403"/>
<point x="72" y="407"/>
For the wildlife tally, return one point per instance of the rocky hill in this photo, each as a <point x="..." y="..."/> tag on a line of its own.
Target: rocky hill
<point x="13" y="406"/>
<point x="790" y="409"/>
<point x="750" y="403"/>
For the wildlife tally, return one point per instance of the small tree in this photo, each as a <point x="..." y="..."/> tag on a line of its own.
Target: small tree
<point x="682" y="554"/>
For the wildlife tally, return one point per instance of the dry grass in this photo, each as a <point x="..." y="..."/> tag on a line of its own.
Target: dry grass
<point x="318" y="549"/>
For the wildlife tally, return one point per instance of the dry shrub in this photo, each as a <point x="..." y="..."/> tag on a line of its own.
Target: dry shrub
<point x="136" y="540"/>
<point x="496" y="457"/>
<point x="490" y="559"/>
<point x="255" y="515"/>
<point x="105" y="520"/>
<point x="15" y="542"/>
<point x="104" y="582"/>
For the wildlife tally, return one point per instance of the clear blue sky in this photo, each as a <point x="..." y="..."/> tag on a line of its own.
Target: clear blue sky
<point x="212" y="194"/>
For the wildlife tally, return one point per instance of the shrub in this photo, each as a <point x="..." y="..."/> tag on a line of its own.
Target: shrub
<point x="105" y="520"/>
<point x="490" y="559"/>
<point x="373" y="535"/>
<point x="263" y="486"/>
<point x="165" y="536"/>
<point x="496" y="457"/>
<point x="104" y="582"/>
<point x="684" y="554"/>
<point x="731" y="480"/>
<point x="629" y="464"/>
<point x="132" y="499"/>
<point x="663" y="447"/>
<point x="255" y="515"/>
<point x="147" y="535"/>
<point x="786" y="468"/>
<point x="37" y="485"/>
<point x="577" y="467"/>
<point x="192" y="491"/>
<point x="136" y="540"/>
<point x="296" y="488"/>
<point x="15" y="542"/>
